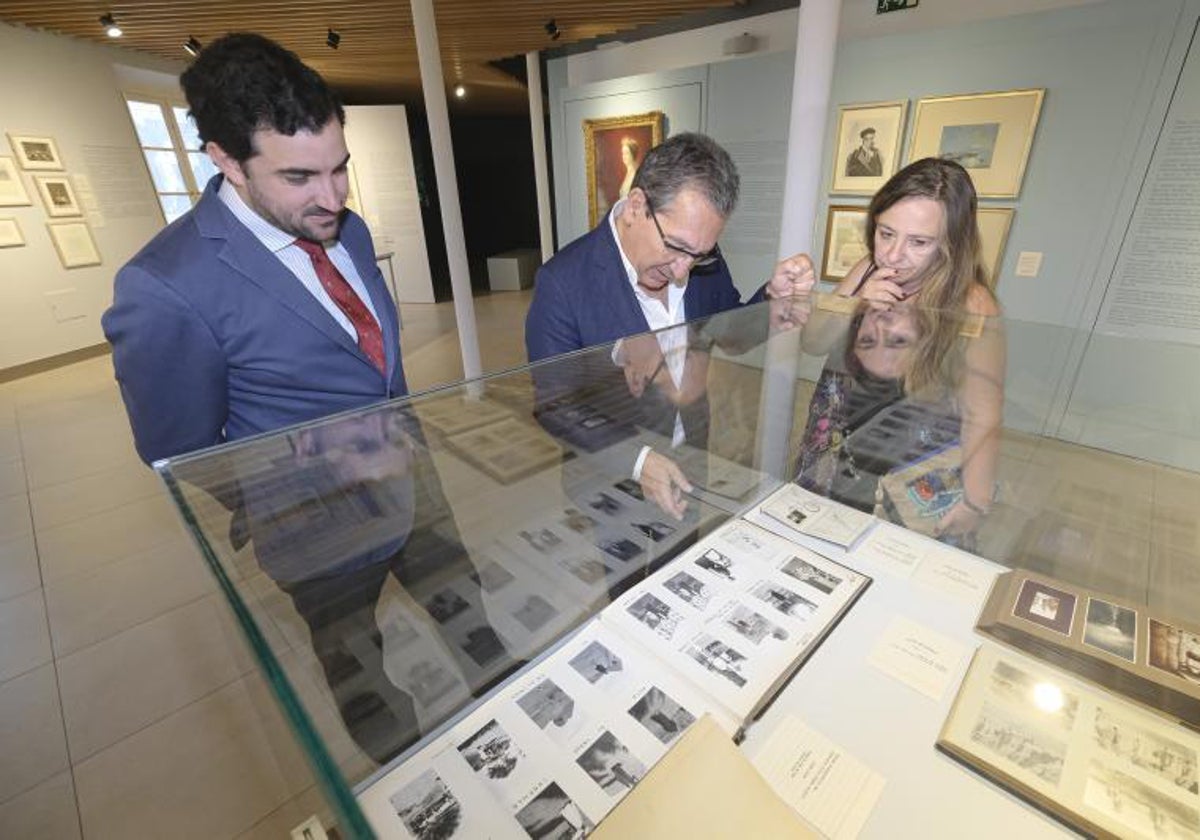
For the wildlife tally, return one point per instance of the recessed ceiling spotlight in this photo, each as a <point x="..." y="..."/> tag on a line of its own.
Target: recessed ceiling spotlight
<point x="552" y="30"/>
<point x="460" y="91"/>
<point x="110" y="25"/>
<point x="192" y="47"/>
<point x="333" y="39"/>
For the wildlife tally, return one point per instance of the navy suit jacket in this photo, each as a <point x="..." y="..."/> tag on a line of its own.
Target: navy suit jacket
<point x="583" y="297"/>
<point x="214" y="339"/>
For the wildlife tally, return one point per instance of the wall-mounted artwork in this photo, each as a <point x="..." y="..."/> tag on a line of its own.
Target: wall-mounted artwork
<point x="990" y="134"/>
<point x="58" y="195"/>
<point x="845" y="242"/>
<point x="12" y="190"/>
<point x="613" y="149"/>
<point x="867" y="149"/>
<point x="74" y="244"/>
<point x="994" y="224"/>
<point x="35" y="153"/>
<point x="10" y="234"/>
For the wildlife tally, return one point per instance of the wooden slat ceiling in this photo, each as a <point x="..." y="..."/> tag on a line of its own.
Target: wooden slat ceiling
<point x="377" y="59"/>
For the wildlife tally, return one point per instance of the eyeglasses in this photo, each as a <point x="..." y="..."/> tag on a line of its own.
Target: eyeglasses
<point x="697" y="260"/>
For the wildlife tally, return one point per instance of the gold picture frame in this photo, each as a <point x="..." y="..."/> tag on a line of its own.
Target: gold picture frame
<point x="845" y="244"/>
<point x="12" y="188"/>
<point x="990" y="134"/>
<point x="35" y="153"/>
<point x="994" y="225"/>
<point x="613" y="148"/>
<point x="58" y="196"/>
<point x="867" y="149"/>
<point x="74" y="243"/>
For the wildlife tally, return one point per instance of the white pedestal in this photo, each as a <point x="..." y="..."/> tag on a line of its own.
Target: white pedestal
<point x="513" y="270"/>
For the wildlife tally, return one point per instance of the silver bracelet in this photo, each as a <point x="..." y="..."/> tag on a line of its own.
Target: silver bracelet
<point x="974" y="508"/>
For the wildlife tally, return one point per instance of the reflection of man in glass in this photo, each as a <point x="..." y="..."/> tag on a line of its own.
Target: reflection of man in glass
<point x="864" y="162"/>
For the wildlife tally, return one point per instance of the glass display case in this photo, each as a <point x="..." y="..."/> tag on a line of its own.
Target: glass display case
<point x="393" y="567"/>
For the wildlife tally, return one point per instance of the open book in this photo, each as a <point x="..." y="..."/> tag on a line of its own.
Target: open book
<point x="717" y="631"/>
<point x="816" y="516"/>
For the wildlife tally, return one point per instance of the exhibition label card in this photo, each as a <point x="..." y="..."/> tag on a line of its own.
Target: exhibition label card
<point x="827" y="786"/>
<point x="917" y="656"/>
<point x="893" y="550"/>
<point x="957" y="574"/>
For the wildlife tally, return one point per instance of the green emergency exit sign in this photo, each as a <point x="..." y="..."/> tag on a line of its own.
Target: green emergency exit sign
<point x="884" y="6"/>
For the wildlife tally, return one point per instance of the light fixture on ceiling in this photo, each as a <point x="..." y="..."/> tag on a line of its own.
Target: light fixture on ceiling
<point x="552" y="30"/>
<point x="192" y="47"/>
<point x="460" y="91"/>
<point x="333" y="39"/>
<point x="110" y="25"/>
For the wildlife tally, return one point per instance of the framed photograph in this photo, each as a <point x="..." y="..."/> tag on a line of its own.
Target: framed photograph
<point x="1043" y="604"/>
<point x="1175" y="651"/>
<point x="58" y="196"/>
<point x="845" y="240"/>
<point x="994" y="224"/>
<point x="10" y="233"/>
<point x="613" y="148"/>
<point x="12" y="189"/>
<point x="74" y="244"/>
<point x="35" y="153"/>
<point x="990" y="134"/>
<point x="1111" y="628"/>
<point x="867" y="149"/>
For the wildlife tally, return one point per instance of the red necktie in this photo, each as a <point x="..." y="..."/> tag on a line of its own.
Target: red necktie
<point x="370" y="339"/>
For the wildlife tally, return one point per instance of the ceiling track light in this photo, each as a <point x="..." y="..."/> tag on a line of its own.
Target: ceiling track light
<point x="110" y="25"/>
<point x="333" y="39"/>
<point x="552" y="30"/>
<point x="192" y="47"/>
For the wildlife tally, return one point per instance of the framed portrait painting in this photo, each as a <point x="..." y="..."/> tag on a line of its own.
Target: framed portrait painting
<point x="10" y="233"/>
<point x="867" y="149"/>
<point x="613" y="148"/>
<point x="994" y="224"/>
<point x="12" y="190"/>
<point x="58" y="195"/>
<point x="990" y="134"/>
<point x="74" y="243"/>
<point x="35" y="153"/>
<point x="845" y="240"/>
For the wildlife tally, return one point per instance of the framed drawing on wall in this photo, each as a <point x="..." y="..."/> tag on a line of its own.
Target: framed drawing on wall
<point x="12" y="190"/>
<point x="10" y="233"/>
<point x="845" y="242"/>
<point x="58" y="195"/>
<point x="74" y="244"/>
<point x="867" y="149"/>
<point x="613" y="148"/>
<point x="990" y="134"/>
<point x="37" y="153"/>
<point x="994" y="224"/>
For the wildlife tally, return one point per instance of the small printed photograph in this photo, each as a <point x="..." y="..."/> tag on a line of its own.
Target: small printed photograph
<point x="553" y="816"/>
<point x="743" y="539"/>
<point x="541" y="539"/>
<point x="796" y="516"/>
<point x="717" y="657"/>
<point x="611" y="765"/>
<point x="806" y="572"/>
<point x="1111" y="628"/>
<point x="689" y="589"/>
<point x="1175" y="651"/>
<point x="429" y="682"/>
<point x="492" y="577"/>
<point x="482" y="645"/>
<point x="595" y="662"/>
<point x="665" y="718"/>
<point x="427" y="808"/>
<point x="398" y="633"/>
<point x="587" y="569"/>
<point x="753" y="626"/>
<point x="606" y="504"/>
<point x="631" y="488"/>
<point x="577" y="521"/>
<point x="619" y="547"/>
<point x="655" y="614"/>
<point x="1044" y="605"/>
<point x="1020" y="744"/>
<point x="970" y="146"/>
<point x="1156" y="754"/>
<point x="38" y="151"/>
<point x="655" y="531"/>
<point x="552" y="709"/>
<point x="491" y="752"/>
<point x="717" y="563"/>
<point x="783" y="599"/>
<point x="444" y="605"/>
<point x="1019" y="688"/>
<point x="1138" y="807"/>
<point x="535" y="612"/>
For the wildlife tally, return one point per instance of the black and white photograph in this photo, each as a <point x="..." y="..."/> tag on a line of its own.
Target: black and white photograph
<point x="427" y="808"/>
<point x="655" y="531"/>
<point x="655" y="614"/>
<point x="1041" y="604"/>
<point x="716" y="563"/>
<point x="491" y="752"/>
<point x="611" y="765"/>
<point x="595" y="662"/>
<point x="445" y="604"/>
<point x="783" y="599"/>
<point x="1144" y="811"/>
<point x="1111" y="628"/>
<point x="1017" y="742"/>
<point x="577" y="521"/>
<point x="631" y="488"/>
<point x="1156" y="754"/>
<point x="689" y="589"/>
<point x="717" y="657"/>
<point x="1050" y="704"/>
<point x="553" y="816"/>
<point x="663" y="717"/>
<point x="482" y="645"/>
<point x="619" y="547"/>
<point x="541" y="539"/>
<point x="587" y="569"/>
<point x="534" y="613"/>
<point x="1174" y="650"/>
<point x="429" y="682"/>
<point x="606" y="504"/>
<point x="35" y="153"/>
<point x="552" y="709"/>
<point x="806" y="572"/>
<point x="58" y="196"/>
<point x="752" y="625"/>
<point x="398" y="632"/>
<point x="492" y="577"/>
<point x="868" y="146"/>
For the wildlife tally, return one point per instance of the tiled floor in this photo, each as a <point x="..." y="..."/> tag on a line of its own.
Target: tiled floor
<point x="130" y="707"/>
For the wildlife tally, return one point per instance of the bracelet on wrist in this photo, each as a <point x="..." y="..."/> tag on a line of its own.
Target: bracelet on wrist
<point x="974" y="508"/>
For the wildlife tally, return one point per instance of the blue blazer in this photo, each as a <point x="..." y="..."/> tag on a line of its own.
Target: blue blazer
<point x="583" y="297"/>
<point x="214" y="339"/>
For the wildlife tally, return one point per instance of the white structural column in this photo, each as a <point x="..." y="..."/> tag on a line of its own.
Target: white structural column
<point x="541" y="177"/>
<point x="434" y="87"/>
<point x="816" y="47"/>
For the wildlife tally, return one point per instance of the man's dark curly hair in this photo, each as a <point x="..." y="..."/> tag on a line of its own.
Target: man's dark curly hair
<point x="244" y="82"/>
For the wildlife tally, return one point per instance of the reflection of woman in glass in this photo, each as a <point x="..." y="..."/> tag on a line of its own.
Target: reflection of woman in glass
<point x="919" y="367"/>
<point x="630" y="150"/>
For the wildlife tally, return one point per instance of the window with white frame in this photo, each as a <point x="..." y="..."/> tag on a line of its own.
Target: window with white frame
<point x="171" y="146"/>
